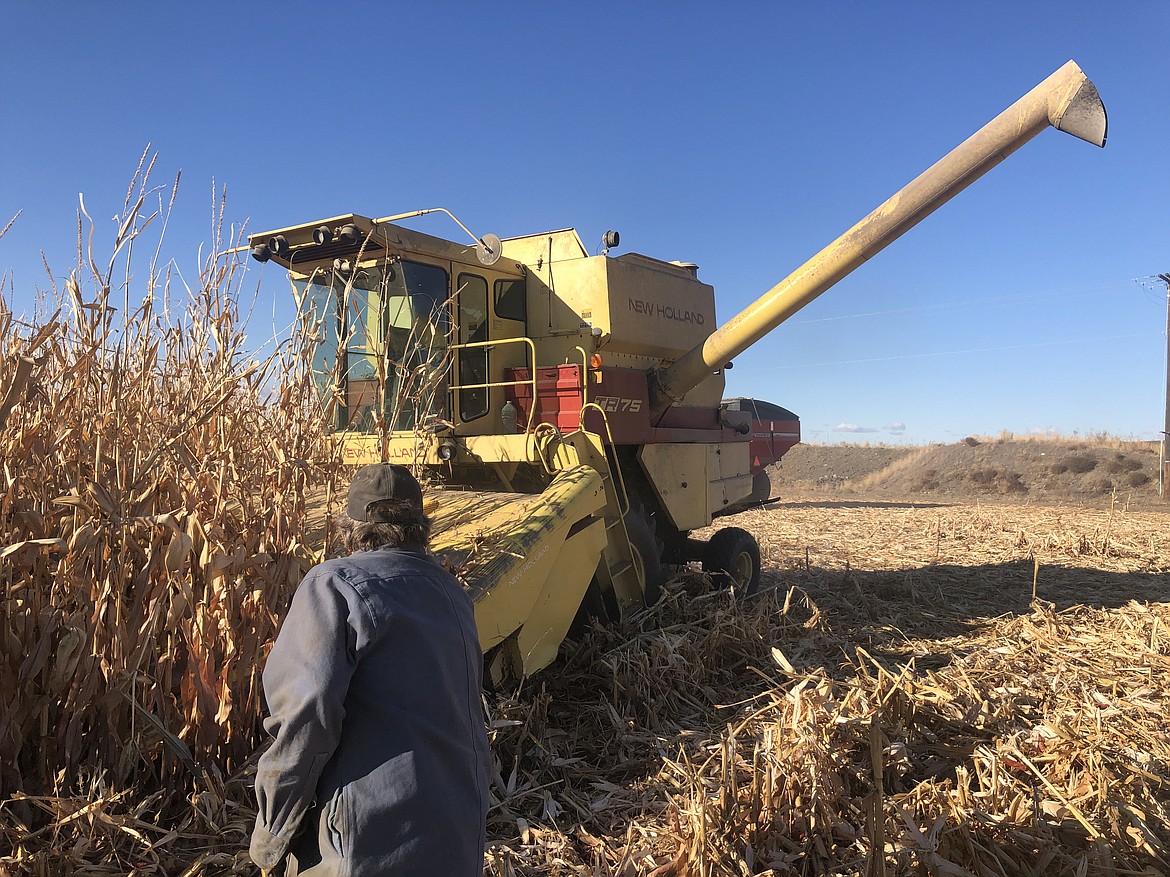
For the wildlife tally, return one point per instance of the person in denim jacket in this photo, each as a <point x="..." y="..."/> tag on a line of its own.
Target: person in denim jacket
<point x="379" y="760"/>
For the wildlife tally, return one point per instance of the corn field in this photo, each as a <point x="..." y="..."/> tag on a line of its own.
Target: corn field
<point x="152" y="506"/>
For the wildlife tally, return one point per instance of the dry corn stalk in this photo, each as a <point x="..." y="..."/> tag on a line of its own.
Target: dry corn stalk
<point x="153" y="522"/>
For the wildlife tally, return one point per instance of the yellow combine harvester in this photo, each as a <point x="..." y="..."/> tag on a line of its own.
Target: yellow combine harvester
<point x="566" y="406"/>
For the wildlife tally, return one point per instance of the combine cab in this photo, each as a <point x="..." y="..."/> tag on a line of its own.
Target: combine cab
<point x="568" y="409"/>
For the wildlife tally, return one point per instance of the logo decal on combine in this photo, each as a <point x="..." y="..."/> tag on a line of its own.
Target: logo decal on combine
<point x="617" y="403"/>
<point x="368" y="453"/>
<point x="666" y="312"/>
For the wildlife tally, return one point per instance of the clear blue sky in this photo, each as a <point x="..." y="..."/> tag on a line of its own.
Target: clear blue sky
<point x="740" y="136"/>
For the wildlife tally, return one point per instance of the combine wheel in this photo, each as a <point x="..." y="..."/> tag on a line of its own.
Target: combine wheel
<point x="647" y="550"/>
<point x="761" y="493"/>
<point x="593" y="606"/>
<point x="761" y="488"/>
<point x="734" y="553"/>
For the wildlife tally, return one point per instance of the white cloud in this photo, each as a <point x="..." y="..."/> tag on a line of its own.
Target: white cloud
<point x="897" y="427"/>
<point x="852" y="427"/>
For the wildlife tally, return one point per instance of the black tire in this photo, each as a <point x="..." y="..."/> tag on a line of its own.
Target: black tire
<point x="593" y="606"/>
<point x="761" y="488"/>
<point x="647" y="551"/>
<point x="733" y="555"/>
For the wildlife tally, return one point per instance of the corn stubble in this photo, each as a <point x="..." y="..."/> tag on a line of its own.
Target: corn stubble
<point x="920" y="690"/>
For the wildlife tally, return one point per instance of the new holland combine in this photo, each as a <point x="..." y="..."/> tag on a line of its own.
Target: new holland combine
<point x="568" y="409"/>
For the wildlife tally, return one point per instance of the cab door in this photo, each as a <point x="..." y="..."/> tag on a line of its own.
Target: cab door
<point x="473" y="364"/>
<point x="489" y="308"/>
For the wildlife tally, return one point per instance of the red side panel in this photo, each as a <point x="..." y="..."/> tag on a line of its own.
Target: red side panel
<point x="622" y="393"/>
<point x="558" y="395"/>
<point x="771" y="440"/>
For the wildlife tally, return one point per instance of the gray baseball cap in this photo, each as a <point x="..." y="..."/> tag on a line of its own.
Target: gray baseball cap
<point x="381" y="481"/>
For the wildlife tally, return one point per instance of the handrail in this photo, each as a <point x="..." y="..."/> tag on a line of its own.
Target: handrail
<point x="584" y="374"/>
<point x="466" y="345"/>
<point x="620" y="480"/>
<point x="552" y="432"/>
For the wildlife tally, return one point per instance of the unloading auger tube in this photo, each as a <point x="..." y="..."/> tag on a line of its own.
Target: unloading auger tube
<point x="1066" y="100"/>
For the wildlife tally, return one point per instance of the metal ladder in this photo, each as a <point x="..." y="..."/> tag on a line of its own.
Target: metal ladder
<point x="617" y="572"/>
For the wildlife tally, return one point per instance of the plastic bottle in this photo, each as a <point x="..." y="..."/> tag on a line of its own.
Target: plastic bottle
<point x="509" y="417"/>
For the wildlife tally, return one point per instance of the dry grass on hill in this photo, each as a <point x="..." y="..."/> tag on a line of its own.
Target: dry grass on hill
<point x="1099" y="470"/>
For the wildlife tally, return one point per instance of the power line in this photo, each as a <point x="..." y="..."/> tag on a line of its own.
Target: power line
<point x="1165" y="278"/>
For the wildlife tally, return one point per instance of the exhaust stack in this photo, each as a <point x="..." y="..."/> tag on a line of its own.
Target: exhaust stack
<point x="1067" y="100"/>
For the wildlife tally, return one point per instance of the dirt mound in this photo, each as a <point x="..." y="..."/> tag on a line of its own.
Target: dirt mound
<point x="833" y="465"/>
<point x="1037" y="470"/>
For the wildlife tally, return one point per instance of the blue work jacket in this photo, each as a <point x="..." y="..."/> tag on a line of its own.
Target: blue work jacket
<point x="379" y="762"/>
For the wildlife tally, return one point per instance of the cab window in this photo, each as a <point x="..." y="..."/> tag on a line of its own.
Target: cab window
<point x="473" y="362"/>
<point x="511" y="300"/>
